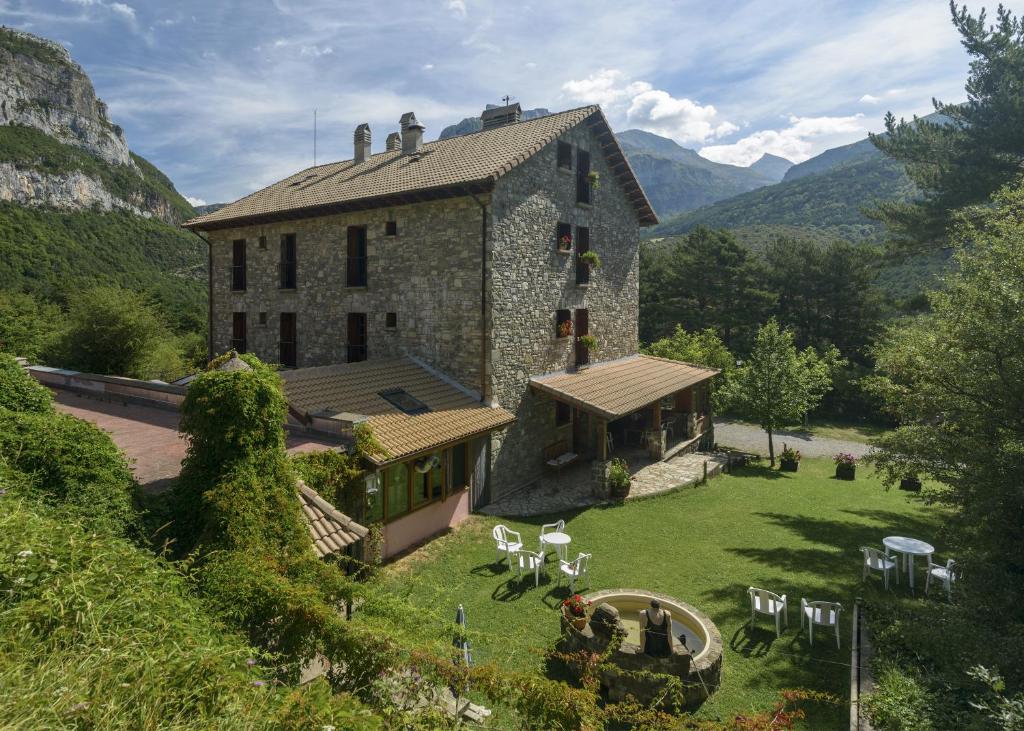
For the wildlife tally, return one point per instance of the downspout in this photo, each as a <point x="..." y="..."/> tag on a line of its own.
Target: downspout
<point x="209" y="294"/>
<point x="484" y="390"/>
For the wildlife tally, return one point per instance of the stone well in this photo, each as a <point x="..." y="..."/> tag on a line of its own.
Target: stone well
<point x="629" y="672"/>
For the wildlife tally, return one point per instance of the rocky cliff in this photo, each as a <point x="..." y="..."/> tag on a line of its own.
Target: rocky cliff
<point x="59" y="148"/>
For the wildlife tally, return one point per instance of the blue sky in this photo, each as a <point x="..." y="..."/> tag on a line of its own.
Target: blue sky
<point x="219" y="95"/>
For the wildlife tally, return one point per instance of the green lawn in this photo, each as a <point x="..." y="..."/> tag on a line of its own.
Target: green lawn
<point x="794" y="534"/>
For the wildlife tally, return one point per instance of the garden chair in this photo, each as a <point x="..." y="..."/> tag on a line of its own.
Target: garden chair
<point x="875" y="560"/>
<point x="823" y="614"/>
<point x="576" y="569"/>
<point x="506" y="540"/>
<point x="941" y="573"/>
<point x="763" y="601"/>
<point x="529" y="561"/>
<point x="549" y="528"/>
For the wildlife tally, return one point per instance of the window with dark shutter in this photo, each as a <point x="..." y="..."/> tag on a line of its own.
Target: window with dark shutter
<point x="289" y="347"/>
<point x="391" y="228"/>
<point x="288" y="262"/>
<point x="582" y="328"/>
<point x="563" y="414"/>
<point x="582" y="247"/>
<point x="391" y="320"/>
<point x="582" y="176"/>
<point x="565" y="156"/>
<point x="563" y="236"/>
<point x="563" y="323"/>
<point x="356" y="345"/>
<point x="238" y="265"/>
<point x="263" y="318"/>
<point x="238" y="332"/>
<point x="355" y="262"/>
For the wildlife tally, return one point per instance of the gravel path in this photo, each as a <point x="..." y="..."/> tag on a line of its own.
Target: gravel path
<point x="748" y="438"/>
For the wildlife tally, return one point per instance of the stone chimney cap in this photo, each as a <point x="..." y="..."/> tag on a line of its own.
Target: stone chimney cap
<point x="408" y="120"/>
<point x="362" y="131"/>
<point x="394" y="142"/>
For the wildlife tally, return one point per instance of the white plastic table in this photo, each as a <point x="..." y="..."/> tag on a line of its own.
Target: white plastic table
<point x="558" y="540"/>
<point x="908" y="548"/>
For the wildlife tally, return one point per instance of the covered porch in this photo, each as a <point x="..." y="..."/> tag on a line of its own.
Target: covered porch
<point x="641" y="409"/>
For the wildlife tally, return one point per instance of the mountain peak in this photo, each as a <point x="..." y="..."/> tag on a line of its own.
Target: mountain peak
<point x="771" y="166"/>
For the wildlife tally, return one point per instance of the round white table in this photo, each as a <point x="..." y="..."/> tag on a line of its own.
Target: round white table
<point x="908" y="548"/>
<point x="558" y="541"/>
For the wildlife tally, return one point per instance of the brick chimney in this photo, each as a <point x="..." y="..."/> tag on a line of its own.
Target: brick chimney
<point x="394" y="143"/>
<point x="499" y="116"/>
<point x="362" y="140"/>
<point x="412" y="134"/>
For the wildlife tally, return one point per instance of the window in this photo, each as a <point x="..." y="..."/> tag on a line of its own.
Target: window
<point x="356" y="346"/>
<point x="563" y="414"/>
<point x="263" y="318"/>
<point x="238" y="265"/>
<point x="355" y="263"/>
<point x="582" y="176"/>
<point x="582" y="247"/>
<point x="263" y="242"/>
<point x="563" y="323"/>
<point x="427" y="486"/>
<point x="238" y="334"/>
<point x="582" y="328"/>
<point x="397" y="490"/>
<point x="391" y="320"/>
<point x="288" y="346"/>
<point x="460" y="466"/>
<point x="563" y="236"/>
<point x="404" y="401"/>
<point x="565" y="155"/>
<point x="391" y="228"/>
<point x="288" y="264"/>
<point x="374" y="498"/>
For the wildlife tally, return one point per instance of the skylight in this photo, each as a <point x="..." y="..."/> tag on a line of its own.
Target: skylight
<point x="404" y="402"/>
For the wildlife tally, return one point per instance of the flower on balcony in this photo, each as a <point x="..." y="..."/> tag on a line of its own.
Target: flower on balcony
<point x="565" y="328"/>
<point x="565" y="243"/>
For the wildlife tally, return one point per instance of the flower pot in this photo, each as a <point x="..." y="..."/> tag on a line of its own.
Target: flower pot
<point x="846" y="471"/>
<point x="578" y="623"/>
<point x="789" y="465"/>
<point x="911" y="484"/>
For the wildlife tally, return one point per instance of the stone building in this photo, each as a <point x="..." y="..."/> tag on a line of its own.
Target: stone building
<point x="490" y="262"/>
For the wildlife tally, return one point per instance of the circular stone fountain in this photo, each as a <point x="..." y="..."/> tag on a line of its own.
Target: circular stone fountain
<point x="629" y="672"/>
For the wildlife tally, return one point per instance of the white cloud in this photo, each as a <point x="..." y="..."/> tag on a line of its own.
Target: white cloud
<point x="890" y="94"/>
<point x="643" y="106"/>
<point x="428" y="67"/>
<point x="124" y="10"/>
<point x="457" y="8"/>
<point x="869" y="99"/>
<point x="195" y="201"/>
<point x="314" y="51"/>
<point x="797" y="142"/>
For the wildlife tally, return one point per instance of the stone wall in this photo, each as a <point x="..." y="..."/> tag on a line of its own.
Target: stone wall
<point x="428" y="274"/>
<point x="531" y="279"/>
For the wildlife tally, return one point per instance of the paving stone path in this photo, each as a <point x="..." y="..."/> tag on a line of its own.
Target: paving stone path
<point x="573" y="488"/>
<point x="753" y="439"/>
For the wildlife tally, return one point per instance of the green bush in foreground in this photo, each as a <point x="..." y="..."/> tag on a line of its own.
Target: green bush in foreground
<point x="95" y="633"/>
<point x="19" y="391"/>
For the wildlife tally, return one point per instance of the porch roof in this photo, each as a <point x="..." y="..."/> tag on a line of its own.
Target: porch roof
<point x="618" y="387"/>
<point x="330" y="529"/>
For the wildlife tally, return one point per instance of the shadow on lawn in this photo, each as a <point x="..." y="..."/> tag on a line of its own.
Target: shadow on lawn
<point x="851" y="535"/>
<point x="814" y="560"/>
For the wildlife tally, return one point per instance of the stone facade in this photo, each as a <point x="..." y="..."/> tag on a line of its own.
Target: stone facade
<point x="531" y="280"/>
<point x="428" y="275"/>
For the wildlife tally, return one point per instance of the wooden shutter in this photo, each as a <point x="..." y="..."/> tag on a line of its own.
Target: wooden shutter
<point x="238" y="332"/>
<point x="582" y="247"/>
<point x="582" y="328"/>
<point x="582" y="176"/>
<point x="356" y="337"/>
<point x="288" y="261"/>
<point x="356" y="257"/>
<point x="288" y="346"/>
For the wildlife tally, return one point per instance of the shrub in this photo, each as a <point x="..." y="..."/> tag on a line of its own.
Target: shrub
<point x="899" y="702"/>
<point x="337" y="476"/>
<point x="19" y="391"/>
<point x="618" y="476"/>
<point x="95" y="633"/>
<point x="70" y="462"/>
<point x="789" y="454"/>
<point x="589" y="342"/>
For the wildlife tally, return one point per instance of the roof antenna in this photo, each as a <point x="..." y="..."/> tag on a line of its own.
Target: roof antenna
<point x="507" y="99"/>
<point x="314" y="136"/>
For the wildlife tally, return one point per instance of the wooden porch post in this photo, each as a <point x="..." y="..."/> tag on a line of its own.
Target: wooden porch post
<point x="602" y="438"/>
<point x="656" y="416"/>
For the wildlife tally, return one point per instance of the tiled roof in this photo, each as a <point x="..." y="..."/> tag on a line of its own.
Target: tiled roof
<point x="453" y="166"/>
<point x="330" y="529"/>
<point x="354" y="389"/>
<point x="618" y="387"/>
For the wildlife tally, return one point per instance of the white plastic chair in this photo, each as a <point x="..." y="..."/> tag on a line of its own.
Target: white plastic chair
<point x="576" y="569"/>
<point x="823" y="614"/>
<point x="529" y="561"/>
<point x="549" y="528"/>
<point x="767" y="602"/>
<point x="506" y="540"/>
<point x="945" y="574"/>
<point x="875" y="560"/>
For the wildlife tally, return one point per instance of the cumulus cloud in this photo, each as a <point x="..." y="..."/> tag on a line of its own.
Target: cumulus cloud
<point x="643" y="106"/>
<point x="872" y="99"/>
<point x="869" y="99"/>
<point x="457" y="8"/>
<point x="195" y="201"/>
<point x="796" y="142"/>
<point x="127" y="12"/>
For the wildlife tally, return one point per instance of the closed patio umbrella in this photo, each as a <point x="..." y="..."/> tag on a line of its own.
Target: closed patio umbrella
<point x="461" y="640"/>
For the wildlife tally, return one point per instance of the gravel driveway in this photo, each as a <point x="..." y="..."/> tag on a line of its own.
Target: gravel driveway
<point x="748" y="438"/>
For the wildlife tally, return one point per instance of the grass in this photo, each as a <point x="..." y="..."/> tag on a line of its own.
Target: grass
<point x="796" y="534"/>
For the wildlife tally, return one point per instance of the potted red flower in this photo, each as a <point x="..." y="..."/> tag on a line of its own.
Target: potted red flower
<point x="846" y="466"/>
<point x="790" y="459"/>
<point x="565" y="328"/>
<point x="574" y="609"/>
<point x="565" y="243"/>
